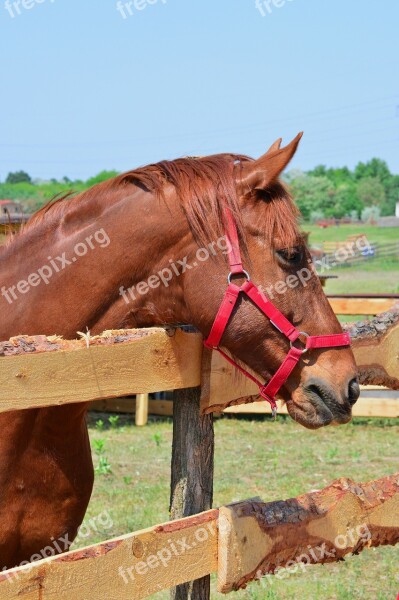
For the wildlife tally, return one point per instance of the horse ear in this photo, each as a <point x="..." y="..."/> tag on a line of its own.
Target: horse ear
<point x="275" y="146"/>
<point x="257" y="175"/>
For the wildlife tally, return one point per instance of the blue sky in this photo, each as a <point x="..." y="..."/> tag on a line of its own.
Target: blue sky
<point x="85" y="89"/>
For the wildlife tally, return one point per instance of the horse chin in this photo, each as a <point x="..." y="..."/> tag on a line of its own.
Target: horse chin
<point x="313" y="413"/>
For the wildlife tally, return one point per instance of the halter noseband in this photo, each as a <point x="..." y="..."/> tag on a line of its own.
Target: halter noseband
<point x="268" y="390"/>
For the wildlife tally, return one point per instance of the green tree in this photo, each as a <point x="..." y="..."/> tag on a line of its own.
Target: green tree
<point x="319" y="171"/>
<point x="102" y="176"/>
<point x="18" y="177"/>
<point x="371" y="192"/>
<point x="392" y="196"/>
<point x="313" y="194"/>
<point x="373" y="168"/>
<point x="346" y="200"/>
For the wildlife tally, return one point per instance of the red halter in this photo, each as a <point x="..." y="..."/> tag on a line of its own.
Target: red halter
<point x="267" y="391"/>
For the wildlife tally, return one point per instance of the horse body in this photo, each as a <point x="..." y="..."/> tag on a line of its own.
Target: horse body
<point x="125" y="254"/>
<point x="46" y="479"/>
<point x="46" y="471"/>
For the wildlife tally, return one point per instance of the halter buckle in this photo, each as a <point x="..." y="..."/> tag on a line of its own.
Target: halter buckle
<point x="304" y="350"/>
<point x="242" y="274"/>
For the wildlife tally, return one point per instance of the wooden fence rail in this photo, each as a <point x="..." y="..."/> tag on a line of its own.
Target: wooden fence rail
<point x="240" y="542"/>
<point x="38" y="371"/>
<point x="343" y="257"/>
<point x="362" y="304"/>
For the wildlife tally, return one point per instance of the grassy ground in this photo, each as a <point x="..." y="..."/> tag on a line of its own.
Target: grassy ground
<point x="377" y="278"/>
<point x="254" y="457"/>
<point x="318" y="235"/>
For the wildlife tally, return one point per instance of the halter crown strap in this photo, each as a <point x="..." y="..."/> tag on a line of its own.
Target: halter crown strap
<point x="234" y="253"/>
<point x="279" y="321"/>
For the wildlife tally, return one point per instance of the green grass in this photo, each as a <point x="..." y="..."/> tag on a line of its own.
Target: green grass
<point x="318" y="235"/>
<point x="254" y="457"/>
<point x="370" y="279"/>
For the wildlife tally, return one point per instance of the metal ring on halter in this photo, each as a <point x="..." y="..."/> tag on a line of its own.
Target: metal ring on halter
<point x="300" y="333"/>
<point x="243" y="273"/>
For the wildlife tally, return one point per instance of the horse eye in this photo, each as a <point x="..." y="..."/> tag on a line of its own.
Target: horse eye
<point x="291" y="256"/>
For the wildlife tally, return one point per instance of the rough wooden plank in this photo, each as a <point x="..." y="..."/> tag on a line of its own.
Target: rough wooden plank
<point x="361" y="306"/>
<point x="376" y="348"/>
<point x="375" y="344"/>
<point x="256" y="538"/>
<point x="130" y="567"/>
<point x="192" y="473"/>
<point x="43" y="371"/>
<point x="39" y="371"/>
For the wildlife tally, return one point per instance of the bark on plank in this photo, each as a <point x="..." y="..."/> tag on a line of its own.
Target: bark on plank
<point x="39" y="371"/>
<point x="130" y="567"/>
<point x="257" y="538"/>
<point x="376" y="348"/>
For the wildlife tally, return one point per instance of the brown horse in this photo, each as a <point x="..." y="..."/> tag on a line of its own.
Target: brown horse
<point x="147" y="248"/>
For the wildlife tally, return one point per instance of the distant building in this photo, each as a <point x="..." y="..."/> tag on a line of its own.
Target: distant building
<point x="12" y="216"/>
<point x="10" y="207"/>
<point x="390" y="221"/>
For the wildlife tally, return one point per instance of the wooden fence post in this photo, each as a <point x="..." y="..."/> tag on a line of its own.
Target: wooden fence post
<point x="141" y="416"/>
<point x="192" y="473"/>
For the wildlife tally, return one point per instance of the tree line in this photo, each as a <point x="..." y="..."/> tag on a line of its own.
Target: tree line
<point x="369" y="190"/>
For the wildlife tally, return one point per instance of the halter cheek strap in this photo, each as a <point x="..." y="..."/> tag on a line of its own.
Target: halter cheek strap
<point x="268" y="390"/>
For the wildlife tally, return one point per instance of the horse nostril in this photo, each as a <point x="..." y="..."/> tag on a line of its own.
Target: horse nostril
<point x="353" y="391"/>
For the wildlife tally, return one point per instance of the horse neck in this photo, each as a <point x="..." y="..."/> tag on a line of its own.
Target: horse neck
<point x="143" y="234"/>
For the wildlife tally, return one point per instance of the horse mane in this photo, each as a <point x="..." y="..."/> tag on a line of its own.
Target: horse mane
<point x="204" y="185"/>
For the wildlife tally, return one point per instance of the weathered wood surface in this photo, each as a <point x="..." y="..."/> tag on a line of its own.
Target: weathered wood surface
<point x="192" y="473"/>
<point x="39" y="371"/>
<point x="376" y="348"/>
<point x="256" y="538"/>
<point x="375" y="345"/>
<point x="130" y="567"/>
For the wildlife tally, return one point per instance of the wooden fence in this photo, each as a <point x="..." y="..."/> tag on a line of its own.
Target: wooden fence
<point x="374" y="401"/>
<point x="11" y="223"/>
<point x="346" y="255"/>
<point x="241" y="541"/>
